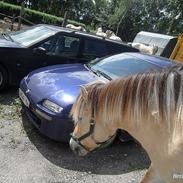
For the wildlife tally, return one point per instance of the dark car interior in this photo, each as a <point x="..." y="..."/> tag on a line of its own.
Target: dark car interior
<point x="62" y="46"/>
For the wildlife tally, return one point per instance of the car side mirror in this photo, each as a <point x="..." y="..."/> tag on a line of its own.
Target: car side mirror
<point x="39" y="51"/>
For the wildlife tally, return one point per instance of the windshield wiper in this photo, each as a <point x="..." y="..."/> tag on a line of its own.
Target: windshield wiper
<point x="98" y="72"/>
<point x="88" y="65"/>
<point x="103" y="74"/>
<point x="92" y="62"/>
<point x="5" y="35"/>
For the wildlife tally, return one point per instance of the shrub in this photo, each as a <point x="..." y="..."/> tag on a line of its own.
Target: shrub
<point x="32" y="15"/>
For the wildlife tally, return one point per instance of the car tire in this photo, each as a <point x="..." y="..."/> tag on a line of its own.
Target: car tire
<point x="3" y="78"/>
<point x="124" y="136"/>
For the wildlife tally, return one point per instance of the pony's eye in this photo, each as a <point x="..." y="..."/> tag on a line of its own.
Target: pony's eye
<point x="80" y="119"/>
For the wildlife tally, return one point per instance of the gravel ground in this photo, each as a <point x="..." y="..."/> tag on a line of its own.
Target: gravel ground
<point x="28" y="157"/>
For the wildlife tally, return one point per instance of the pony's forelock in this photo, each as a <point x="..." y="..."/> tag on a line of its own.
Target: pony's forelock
<point x="91" y="97"/>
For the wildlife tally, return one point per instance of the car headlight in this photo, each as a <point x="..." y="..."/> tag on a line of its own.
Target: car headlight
<point x="52" y="106"/>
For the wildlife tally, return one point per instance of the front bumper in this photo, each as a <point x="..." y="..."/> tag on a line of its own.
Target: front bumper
<point x="55" y="126"/>
<point x="55" y="129"/>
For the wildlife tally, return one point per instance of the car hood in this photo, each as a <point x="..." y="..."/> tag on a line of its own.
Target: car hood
<point x="59" y="83"/>
<point x="8" y="44"/>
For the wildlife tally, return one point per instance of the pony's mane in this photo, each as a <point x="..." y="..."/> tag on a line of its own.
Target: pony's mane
<point x="155" y="96"/>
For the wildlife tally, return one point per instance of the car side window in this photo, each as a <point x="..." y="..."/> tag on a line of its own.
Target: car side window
<point x="115" y="48"/>
<point x="93" y="49"/>
<point x="66" y="46"/>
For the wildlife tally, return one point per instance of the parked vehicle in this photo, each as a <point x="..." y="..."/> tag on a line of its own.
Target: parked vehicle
<point x="164" y="43"/>
<point x="43" y="45"/>
<point x="48" y="93"/>
<point x="168" y="46"/>
<point x="177" y="53"/>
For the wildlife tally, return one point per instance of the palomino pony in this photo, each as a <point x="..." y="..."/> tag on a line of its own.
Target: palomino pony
<point x="100" y="32"/>
<point x="110" y="34"/>
<point x="149" y="106"/>
<point x="79" y="28"/>
<point x="148" y="49"/>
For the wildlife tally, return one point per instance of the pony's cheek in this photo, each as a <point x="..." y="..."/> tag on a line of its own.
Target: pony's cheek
<point x="76" y="130"/>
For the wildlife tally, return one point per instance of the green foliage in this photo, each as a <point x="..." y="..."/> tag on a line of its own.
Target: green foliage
<point x="124" y="17"/>
<point x="100" y="13"/>
<point x="131" y="16"/>
<point x="33" y="15"/>
<point x="80" y="10"/>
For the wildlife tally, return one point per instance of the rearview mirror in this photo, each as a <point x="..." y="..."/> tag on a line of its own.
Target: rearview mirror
<point x="39" y="51"/>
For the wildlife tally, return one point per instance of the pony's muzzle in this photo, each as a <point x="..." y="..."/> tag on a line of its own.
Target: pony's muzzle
<point x="77" y="149"/>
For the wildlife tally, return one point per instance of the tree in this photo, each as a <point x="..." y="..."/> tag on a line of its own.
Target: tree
<point x="175" y="10"/>
<point x="125" y="17"/>
<point x="132" y="16"/>
<point x="79" y="10"/>
<point x="122" y="18"/>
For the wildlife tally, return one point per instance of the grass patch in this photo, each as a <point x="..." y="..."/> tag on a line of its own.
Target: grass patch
<point x="10" y="106"/>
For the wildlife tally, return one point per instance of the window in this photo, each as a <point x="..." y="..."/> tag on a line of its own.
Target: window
<point x="94" y="49"/>
<point x="122" y="65"/>
<point x="61" y="45"/>
<point x="31" y="35"/>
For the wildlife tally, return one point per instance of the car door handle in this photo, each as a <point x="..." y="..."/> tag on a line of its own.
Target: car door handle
<point x="18" y="64"/>
<point x="44" y="63"/>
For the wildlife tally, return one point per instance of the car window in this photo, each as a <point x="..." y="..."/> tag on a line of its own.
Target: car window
<point x="61" y="45"/>
<point x="29" y="36"/>
<point x="115" y="48"/>
<point x="117" y="66"/>
<point x="93" y="49"/>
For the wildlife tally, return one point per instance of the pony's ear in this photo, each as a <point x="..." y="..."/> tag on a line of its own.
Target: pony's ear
<point x="84" y="92"/>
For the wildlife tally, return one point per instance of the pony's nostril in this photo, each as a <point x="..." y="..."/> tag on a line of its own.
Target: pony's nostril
<point x="74" y="146"/>
<point x="76" y="149"/>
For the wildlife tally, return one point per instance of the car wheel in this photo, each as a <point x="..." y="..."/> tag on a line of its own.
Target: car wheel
<point x="3" y="78"/>
<point x="124" y="136"/>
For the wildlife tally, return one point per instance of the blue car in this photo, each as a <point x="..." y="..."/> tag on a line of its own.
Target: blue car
<point x="48" y="93"/>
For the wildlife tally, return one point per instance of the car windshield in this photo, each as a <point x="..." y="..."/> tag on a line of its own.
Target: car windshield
<point x="120" y="65"/>
<point x="31" y="35"/>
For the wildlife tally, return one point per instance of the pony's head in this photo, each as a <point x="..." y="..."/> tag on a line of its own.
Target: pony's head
<point x="99" y="29"/>
<point x="90" y="132"/>
<point x="155" y="49"/>
<point x="109" y="33"/>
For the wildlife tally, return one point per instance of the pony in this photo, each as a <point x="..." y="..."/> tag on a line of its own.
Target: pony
<point x="5" y="25"/>
<point x="110" y="34"/>
<point x="7" y="20"/>
<point x="100" y="32"/>
<point x="147" y="105"/>
<point x="148" y="49"/>
<point x="79" y="28"/>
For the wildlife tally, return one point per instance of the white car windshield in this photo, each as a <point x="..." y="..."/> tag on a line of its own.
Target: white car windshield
<point x="27" y="37"/>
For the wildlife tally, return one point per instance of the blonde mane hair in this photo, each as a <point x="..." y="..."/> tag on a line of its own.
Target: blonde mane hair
<point x="153" y="96"/>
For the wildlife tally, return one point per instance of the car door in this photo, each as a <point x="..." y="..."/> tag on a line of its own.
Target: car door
<point x="61" y="49"/>
<point x="93" y="48"/>
<point x="58" y="49"/>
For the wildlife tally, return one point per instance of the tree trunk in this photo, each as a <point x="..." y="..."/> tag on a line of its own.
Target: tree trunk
<point x="20" y="16"/>
<point x="65" y="18"/>
<point x="119" y="24"/>
<point x="12" y="22"/>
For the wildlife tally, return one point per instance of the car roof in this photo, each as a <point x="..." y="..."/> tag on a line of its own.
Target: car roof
<point x="69" y="30"/>
<point x="153" y="59"/>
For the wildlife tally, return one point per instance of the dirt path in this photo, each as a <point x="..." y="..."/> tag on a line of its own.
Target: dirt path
<point x="28" y="157"/>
